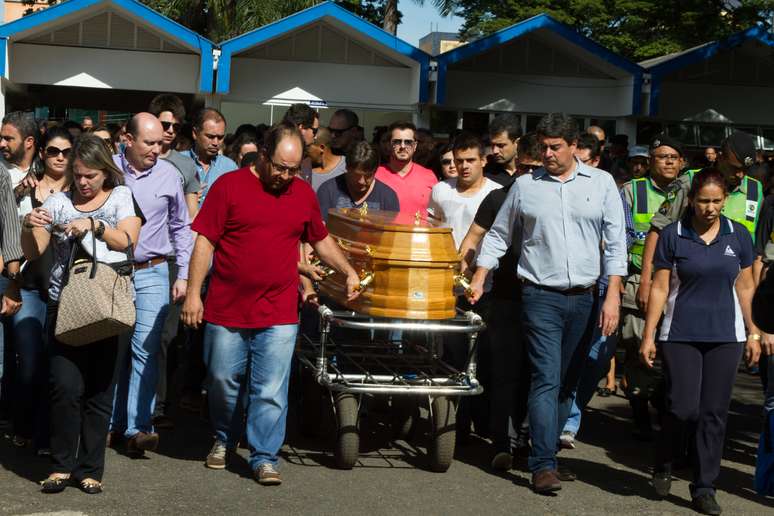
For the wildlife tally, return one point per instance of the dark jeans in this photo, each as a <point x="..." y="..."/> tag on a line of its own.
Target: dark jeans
<point x="509" y="371"/>
<point x="700" y="378"/>
<point x="82" y="387"/>
<point x="558" y="330"/>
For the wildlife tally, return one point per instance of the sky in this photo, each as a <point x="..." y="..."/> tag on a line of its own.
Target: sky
<point x="417" y="21"/>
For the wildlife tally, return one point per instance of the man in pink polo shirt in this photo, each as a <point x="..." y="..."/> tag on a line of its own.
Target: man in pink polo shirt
<point x="411" y="181"/>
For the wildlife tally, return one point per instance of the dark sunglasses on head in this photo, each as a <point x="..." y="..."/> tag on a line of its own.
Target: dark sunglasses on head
<point x="174" y="125"/>
<point x="53" y="152"/>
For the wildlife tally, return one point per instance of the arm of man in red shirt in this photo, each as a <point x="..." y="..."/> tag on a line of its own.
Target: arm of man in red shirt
<point x="193" y="308"/>
<point x="330" y="253"/>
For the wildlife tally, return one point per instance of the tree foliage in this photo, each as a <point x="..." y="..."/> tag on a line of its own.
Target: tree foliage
<point x="637" y="29"/>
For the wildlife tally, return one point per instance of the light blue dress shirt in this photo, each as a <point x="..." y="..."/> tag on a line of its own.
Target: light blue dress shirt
<point x="567" y="230"/>
<point x="219" y="165"/>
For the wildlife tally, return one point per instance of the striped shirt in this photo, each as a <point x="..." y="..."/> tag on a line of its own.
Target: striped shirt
<point x="10" y="227"/>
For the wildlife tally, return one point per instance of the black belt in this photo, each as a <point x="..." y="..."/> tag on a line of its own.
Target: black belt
<point x="574" y="291"/>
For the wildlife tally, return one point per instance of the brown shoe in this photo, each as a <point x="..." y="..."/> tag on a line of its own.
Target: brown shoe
<point x="545" y="481"/>
<point x="266" y="475"/>
<point x="141" y="442"/>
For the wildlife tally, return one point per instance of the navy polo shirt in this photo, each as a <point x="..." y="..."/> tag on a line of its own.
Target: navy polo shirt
<point x="702" y="304"/>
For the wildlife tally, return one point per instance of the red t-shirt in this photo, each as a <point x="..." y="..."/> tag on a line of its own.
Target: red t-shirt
<point x="413" y="189"/>
<point x="256" y="233"/>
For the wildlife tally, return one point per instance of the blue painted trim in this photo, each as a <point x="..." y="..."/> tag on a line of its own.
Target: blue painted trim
<point x="637" y="100"/>
<point x="326" y="9"/>
<point x="3" y="53"/>
<point x="440" y="83"/>
<point x="541" y="21"/>
<point x="703" y="53"/>
<point x="158" y="21"/>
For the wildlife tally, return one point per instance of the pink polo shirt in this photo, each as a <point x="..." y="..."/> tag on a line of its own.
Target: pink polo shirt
<point x="413" y="189"/>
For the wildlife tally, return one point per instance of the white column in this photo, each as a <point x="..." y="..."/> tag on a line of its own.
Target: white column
<point x="3" y="84"/>
<point x="421" y="117"/>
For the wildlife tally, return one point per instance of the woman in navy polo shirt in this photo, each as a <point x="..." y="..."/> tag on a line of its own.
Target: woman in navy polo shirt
<point x="704" y="280"/>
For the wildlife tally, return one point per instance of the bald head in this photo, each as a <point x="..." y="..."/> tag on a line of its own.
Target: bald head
<point x="144" y="137"/>
<point x="598" y="132"/>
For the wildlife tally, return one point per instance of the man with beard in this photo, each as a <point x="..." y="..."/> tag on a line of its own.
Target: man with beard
<point x="246" y="210"/>
<point x="504" y="133"/>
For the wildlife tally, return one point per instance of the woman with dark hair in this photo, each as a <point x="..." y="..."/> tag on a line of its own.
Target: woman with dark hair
<point x="81" y="377"/>
<point x="30" y="418"/>
<point x="443" y="162"/>
<point x="243" y="143"/>
<point x="703" y="277"/>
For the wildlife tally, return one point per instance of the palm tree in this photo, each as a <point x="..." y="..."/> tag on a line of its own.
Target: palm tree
<point x="392" y="16"/>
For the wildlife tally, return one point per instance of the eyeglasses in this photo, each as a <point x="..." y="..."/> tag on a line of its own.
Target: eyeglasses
<point x="284" y="169"/>
<point x="53" y="152"/>
<point x="174" y="125"/>
<point x="313" y="129"/>
<point x="402" y="143"/>
<point x="524" y="168"/>
<point x="339" y="132"/>
<point x="446" y="162"/>
<point x="665" y="157"/>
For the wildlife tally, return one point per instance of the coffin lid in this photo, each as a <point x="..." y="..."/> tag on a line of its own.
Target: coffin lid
<point x="388" y="220"/>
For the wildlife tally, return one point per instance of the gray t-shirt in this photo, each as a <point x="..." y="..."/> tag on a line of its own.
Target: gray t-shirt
<point x="118" y="206"/>
<point x="319" y="179"/>
<point x="187" y="168"/>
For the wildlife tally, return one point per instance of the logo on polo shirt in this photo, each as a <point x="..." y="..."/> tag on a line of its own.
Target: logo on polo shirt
<point x="729" y="251"/>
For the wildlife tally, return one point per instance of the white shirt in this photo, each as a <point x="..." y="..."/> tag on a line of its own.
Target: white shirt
<point x="455" y="209"/>
<point x="17" y="174"/>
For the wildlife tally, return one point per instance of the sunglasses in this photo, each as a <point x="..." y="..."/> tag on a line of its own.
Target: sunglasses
<point x="174" y="125"/>
<point x="339" y="132"/>
<point x="282" y="169"/>
<point x="313" y="129"/>
<point x="53" y="152"/>
<point x="402" y="143"/>
<point x="446" y="162"/>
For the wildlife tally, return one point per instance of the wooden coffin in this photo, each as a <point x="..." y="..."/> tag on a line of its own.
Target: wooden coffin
<point x="408" y="264"/>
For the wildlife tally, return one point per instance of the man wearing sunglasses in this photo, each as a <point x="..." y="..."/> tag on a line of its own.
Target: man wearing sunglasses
<point x="209" y="130"/>
<point x="170" y="111"/>
<point x="412" y="182"/>
<point x="307" y="121"/>
<point x="343" y="127"/>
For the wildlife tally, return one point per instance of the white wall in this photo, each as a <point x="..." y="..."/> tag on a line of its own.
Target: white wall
<point x="470" y="91"/>
<point x="98" y="68"/>
<point x="740" y="104"/>
<point x="368" y="87"/>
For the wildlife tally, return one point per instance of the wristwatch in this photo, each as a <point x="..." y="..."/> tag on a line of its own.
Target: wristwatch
<point x="100" y="230"/>
<point x="754" y="336"/>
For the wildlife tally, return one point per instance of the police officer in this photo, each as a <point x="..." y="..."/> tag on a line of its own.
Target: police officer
<point x="643" y="197"/>
<point x="743" y="204"/>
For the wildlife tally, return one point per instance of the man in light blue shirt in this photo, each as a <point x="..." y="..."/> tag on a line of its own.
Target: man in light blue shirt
<point x="209" y="130"/>
<point x="565" y="219"/>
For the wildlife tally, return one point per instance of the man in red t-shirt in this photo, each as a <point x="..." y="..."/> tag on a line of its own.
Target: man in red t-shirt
<point x="411" y="181"/>
<point x="250" y="227"/>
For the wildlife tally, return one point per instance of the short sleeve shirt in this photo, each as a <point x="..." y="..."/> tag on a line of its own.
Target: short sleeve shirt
<point x="317" y="180"/>
<point x="119" y="205"/>
<point x="702" y="304"/>
<point x="413" y="189"/>
<point x="256" y="233"/>
<point x="335" y="194"/>
<point x="505" y="282"/>
<point x="187" y="169"/>
<point x="455" y="209"/>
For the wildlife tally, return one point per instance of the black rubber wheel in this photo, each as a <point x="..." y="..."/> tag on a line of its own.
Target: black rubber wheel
<point x="404" y="416"/>
<point x="348" y="432"/>
<point x="443" y="415"/>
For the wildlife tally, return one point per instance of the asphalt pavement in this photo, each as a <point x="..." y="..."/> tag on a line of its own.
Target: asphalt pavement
<point x="391" y="476"/>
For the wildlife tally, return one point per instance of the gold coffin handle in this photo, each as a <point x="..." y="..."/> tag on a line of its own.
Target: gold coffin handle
<point x="366" y="278"/>
<point x="326" y="271"/>
<point x="461" y="281"/>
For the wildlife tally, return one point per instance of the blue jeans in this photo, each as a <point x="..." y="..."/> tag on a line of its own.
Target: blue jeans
<point x="262" y="356"/>
<point x="556" y="327"/>
<point x="139" y="371"/>
<point x="769" y="402"/>
<point x="596" y="366"/>
<point x="31" y="379"/>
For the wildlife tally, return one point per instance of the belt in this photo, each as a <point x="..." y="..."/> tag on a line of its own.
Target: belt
<point x="149" y="263"/>
<point x="574" y="291"/>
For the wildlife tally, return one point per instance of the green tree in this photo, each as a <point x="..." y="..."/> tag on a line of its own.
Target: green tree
<point x="637" y="29"/>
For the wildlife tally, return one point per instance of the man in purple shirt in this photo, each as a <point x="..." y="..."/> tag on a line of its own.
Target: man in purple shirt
<point x="156" y="187"/>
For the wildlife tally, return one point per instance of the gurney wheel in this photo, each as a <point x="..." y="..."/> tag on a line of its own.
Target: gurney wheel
<point x="348" y="432"/>
<point x="405" y="414"/>
<point x="443" y="417"/>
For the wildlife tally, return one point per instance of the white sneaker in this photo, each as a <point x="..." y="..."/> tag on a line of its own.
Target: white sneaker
<point x="266" y="475"/>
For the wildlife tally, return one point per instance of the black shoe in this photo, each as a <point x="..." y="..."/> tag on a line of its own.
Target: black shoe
<point x="163" y="422"/>
<point x="662" y="483"/>
<point x="565" y="474"/>
<point x="53" y="485"/>
<point x="706" y="504"/>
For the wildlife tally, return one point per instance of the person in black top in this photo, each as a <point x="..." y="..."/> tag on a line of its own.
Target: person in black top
<point x="358" y="186"/>
<point x="30" y="414"/>
<point x="504" y="133"/>
<point x="509" y="365"/>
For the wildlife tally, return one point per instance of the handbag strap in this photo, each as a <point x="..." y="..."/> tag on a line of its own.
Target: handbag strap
<point x="129" y="248"/>
<point x="93" y="250"/>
